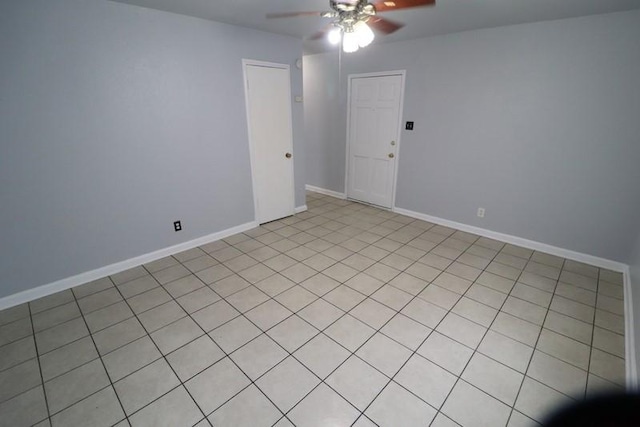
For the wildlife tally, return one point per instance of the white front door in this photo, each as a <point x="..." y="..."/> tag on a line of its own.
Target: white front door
<point x="374" y="128"/>
<point x="268" y="94"/>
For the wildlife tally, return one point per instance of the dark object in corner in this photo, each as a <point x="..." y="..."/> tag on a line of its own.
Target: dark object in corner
<point x="611" y="410"/>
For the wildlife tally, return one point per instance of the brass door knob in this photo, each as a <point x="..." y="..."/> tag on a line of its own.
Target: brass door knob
<point x="288" y="155"/>
<point x="391" y="155"/>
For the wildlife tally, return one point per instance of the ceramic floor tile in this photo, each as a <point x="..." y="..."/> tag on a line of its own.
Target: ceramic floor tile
<point x="68" y="357"/>
<point x="532" y="295"/>
<point x="17" y="352"/>
<point x="320" y="284"/>
<point x="51" y="301"/>
<point x="475" y="311"/>
<point x="55" y="316"/>
<point x="469" y="406"/>
<point x="267" y="315"/>
<point x="247" y="299"/>
<point x="258" y="356"/>
<point x="274" y="285"/>
<point x="525" y="310"/>
<point x="26" y="409"/>
<point x="287" y="383"/>
<point x="372" y="313"/>
<point x="344" y="297"/>
<point x="607" y="366"/>
<point x="321" y="355"/>
<point x="446" y="352"/>
<point x="384" y="354"/>
<point x="292" y="333"/>
<point x="426" y="380"/>
<point x="67" y="389"/>
<point x="92" y="287"/>
<point x="60" y="335"/>
<point x="183" y="286"/>
<point x="128" y="290"/>
<point x="406" y="331"/>
<point x="396" y="406"/>
<point x="229" y="285"/>
<point x="217" y="384"/>
<point x="486" y="296"/>
<point x="320" y="314"/>
<point x="148" y="300"/>
<point x="118" y="335"/>
<point x="350" y="332"/>
<point x="249" y="408"/>
<point x="609" y="341"/>
<point x="357" y="382"/>
<point x="364" y="283"/>
<point x="130" y="358"/>
<point x="145" y="385"/>
<point x="461" y="330"/>
<point x="101" y="409"/>
<point x="536" y="400"/>
<point x="493" y="378"/>
<point x="172" y="409"/>
<point x="505" y="350"/>
<point x="296" y="298"/>
<point x="198" y="299"/>
<point x="108" y="316"/>
<point x="557" y="374"/>
<point x="392" y="297"/>
<point x="161" y="316"/>
<point x="215" y="315"/>
<point x="234" y="334"/>
<point x="194" y="357"/>
<point x="439" y="296"/>
<point x="423" y="312"/>
<point x="564" y="348"/>
<point x="19" y="379"/>
<point x="513" y="327"/>
<point x="323" y="406"/>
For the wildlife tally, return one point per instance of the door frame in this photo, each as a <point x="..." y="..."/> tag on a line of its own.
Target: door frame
<point x="350" y="77"/>
<point x="252" y="156"/>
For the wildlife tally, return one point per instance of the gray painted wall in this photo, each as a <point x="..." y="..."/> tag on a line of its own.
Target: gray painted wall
<point x="634" y="269"/>
<point x="115" y="121"/>
<point x="537" y="123"/>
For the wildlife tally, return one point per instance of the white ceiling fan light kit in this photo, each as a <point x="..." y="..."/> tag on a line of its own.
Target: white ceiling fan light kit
<point x="353" y="20"/>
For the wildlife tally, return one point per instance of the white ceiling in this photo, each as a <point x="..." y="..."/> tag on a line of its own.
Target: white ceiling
<point x="447" y="16"/>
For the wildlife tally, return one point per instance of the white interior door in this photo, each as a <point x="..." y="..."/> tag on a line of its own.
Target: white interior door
<point x="374" y="127"/>
<point x="268" y="94"/>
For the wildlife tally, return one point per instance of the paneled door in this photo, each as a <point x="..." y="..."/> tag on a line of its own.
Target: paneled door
<point x="268" y="97"/>
<point x="373" y="133"/>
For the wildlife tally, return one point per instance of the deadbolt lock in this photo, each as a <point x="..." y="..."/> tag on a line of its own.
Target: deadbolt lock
<point x="393" y="143"/>
<point x="288" y="155"/>
<point x="391" y="155"/>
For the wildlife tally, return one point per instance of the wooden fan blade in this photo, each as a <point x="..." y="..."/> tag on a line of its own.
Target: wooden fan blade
<point x="292" y="14"/>
<point x="320" y="34"/>
<point x="388" y="5"/>
<point x="384" y="25"/>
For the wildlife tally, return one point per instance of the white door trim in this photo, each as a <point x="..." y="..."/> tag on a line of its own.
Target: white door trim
<point x="403" y="74"/>
<point x="245" y="64"/>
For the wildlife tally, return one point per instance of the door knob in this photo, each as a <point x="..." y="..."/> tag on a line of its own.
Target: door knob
<point x="288" y="155"/>
<point x="391" y="155"/>
<point x="393" y="143"/>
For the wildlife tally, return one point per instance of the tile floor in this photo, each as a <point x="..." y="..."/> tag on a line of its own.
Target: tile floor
<point x="342" y="315"/>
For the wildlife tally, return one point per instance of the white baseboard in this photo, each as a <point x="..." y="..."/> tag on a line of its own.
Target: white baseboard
<point x="631" y="367"/>
<point x="326" y="192"/>
<point x="88" y="276"/>
<point x="519" y="241"/>
<point x="630" y="349"/>
<point x="299" y="209"/>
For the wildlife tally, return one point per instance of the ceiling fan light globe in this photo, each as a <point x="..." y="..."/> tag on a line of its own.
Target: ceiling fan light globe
<point x="350" y="42"/>
<point x="334" y="36"/>
<point x="363" y="33"/>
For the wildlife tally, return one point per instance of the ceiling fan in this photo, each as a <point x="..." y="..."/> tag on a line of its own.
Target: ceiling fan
<point x="353" y="20"/>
